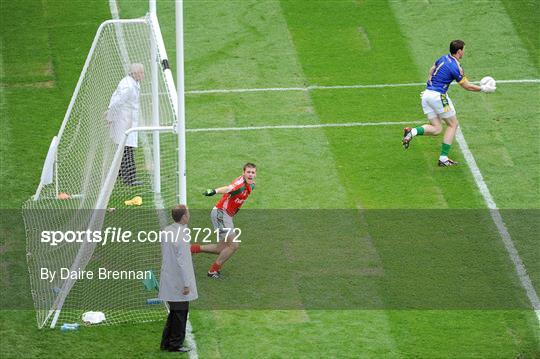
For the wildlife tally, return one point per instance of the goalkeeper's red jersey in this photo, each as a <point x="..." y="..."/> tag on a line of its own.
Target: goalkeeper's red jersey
<point x="232" y="201"/>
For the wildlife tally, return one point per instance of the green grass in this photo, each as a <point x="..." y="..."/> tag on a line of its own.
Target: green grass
<point x="525" y="25"/>
<point x="419" y="271"/>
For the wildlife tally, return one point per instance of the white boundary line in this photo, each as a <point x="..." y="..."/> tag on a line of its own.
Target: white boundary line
<point x="190" y="339"/>
<point x="319" y="125"/>
<point x="337" y="87"/>
<point x="498" y="220"/>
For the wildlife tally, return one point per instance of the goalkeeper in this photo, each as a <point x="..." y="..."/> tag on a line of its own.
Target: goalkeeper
<point x="123" y="114"/>
<point x="234" y="195"/>
<point x="437" y="104"/>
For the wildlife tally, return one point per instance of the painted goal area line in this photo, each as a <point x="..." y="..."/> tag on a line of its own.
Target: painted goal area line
<point x="318" y="125"/>
<point x="337" y="87"/>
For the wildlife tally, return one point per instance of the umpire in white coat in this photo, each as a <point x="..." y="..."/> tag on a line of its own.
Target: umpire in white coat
<point x="177" y="279"/>
<point x="123" y="114"/>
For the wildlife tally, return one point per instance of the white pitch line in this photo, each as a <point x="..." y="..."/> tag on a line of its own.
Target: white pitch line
<point x="337" y="87"/>
<point x="319" y="125"/>
<point x="499" y="223"/>
<point x="190" y="340"/>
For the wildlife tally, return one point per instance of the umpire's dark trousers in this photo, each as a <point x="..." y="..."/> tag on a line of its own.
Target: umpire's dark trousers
<point x="127" y="166"/>
<point x="175" y="327"/>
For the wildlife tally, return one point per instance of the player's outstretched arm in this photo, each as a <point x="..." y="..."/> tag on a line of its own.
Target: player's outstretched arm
<point x="472" y="87"/>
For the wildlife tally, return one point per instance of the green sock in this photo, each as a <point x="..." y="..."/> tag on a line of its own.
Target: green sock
<point x="445" y="149"/>
<point x="419" y="131"/>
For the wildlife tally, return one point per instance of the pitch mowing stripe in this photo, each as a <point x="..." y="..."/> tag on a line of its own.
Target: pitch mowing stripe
<point x="320" y="125"/>
<point x="338" y="87"/>
<point x="497" y="219"/>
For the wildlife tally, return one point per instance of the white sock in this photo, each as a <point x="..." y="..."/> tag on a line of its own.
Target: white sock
<point x="443" y="158"/>
<point x="414" y="132"/>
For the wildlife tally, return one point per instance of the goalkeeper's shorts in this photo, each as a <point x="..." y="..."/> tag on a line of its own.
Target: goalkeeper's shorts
<point x="222" y="222"/>
<point x="437" y="104"/>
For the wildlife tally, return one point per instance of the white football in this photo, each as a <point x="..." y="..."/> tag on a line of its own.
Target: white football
<point x="488" y="80"/>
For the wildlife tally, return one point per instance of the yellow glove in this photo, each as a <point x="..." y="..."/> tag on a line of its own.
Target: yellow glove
<point x="135" y="201"/>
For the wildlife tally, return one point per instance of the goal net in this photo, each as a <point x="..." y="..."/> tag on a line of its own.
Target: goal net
<point x="113" y="164"/>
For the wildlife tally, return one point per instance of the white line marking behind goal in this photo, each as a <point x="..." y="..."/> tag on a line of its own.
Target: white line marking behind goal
<point x="501" y="227"/>
<point x="318" y="125"/>
<point x="337" y="87"/>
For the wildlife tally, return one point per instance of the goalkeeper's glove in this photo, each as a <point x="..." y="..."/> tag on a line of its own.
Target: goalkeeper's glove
<point x="209" y="192"/>
<point x="487" y="88"/>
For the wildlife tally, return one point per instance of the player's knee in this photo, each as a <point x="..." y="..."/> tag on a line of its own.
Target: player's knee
<point x="233" y="245"/>
<point x="453" y="124"/>
<point x="437" y="130"/>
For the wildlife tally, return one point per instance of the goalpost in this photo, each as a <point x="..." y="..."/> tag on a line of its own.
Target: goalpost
<point x="88" y="177"/>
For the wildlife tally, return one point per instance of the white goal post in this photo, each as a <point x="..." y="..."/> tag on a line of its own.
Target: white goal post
<point x="91" y="174"/>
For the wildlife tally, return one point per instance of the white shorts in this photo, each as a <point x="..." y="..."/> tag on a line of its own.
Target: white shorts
<point x="437" y="104"/>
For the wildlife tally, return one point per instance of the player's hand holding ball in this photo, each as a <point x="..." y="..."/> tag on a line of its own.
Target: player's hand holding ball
<point x="209" y="192"/>
<point x="488" y="84"/>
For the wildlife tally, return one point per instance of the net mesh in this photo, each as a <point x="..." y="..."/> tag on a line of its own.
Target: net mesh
<point x="85" y="157"/>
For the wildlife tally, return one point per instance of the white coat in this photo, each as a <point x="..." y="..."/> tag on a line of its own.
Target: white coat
<point x="123" y="112"/>
<point x="176" y="266"/>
